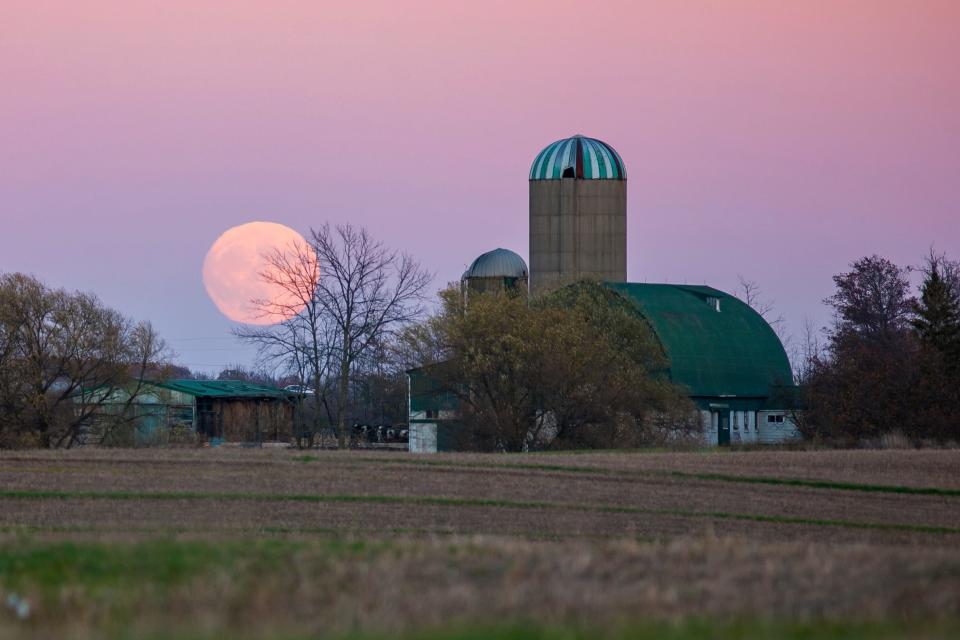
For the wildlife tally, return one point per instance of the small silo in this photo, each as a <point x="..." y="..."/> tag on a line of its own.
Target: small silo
<point x="497" y="270"/>
<point x="578" y="214"/>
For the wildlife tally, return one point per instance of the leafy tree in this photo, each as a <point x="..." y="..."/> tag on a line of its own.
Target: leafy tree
<point x="860" y="387"/>
<point x="578" y="368"/>
<point x="63" y="357"/>
<point x="872" y="300"/>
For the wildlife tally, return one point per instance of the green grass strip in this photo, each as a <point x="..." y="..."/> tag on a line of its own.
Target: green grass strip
<point x="20" y="494"/>
<point x="684" y="475"/>
<point x="821" y="484"/>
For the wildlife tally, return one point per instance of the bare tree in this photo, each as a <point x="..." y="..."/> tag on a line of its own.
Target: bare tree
<point x="343" y="296"/>
<point x="749" y="291"/>
<point x="367" y="291"/>
<point x="301" y="343"/>
<point x="811" y="350"/>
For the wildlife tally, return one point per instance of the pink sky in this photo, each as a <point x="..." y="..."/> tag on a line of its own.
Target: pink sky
<point x="780" y="140"/>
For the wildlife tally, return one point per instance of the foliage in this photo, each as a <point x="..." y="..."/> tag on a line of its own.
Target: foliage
<point x="872" y="300"/>
<point x="577" y="369"/>
<point x="937" y="320"/>
<point x="63" y="357"/>
<point x="891" y="362"/>
<point x="936" y="392"/>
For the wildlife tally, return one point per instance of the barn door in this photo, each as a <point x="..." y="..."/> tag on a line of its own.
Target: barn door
<point x="723" y="428"/>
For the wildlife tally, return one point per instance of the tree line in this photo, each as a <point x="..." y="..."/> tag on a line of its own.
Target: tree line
<point x="575" y="369"/>
<point x="891" y="359"/>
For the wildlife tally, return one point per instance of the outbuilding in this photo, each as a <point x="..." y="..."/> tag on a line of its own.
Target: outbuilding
<point x="196" y="411"/>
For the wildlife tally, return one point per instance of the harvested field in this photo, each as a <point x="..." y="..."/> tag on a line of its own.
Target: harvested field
<point x="603" y="543"/>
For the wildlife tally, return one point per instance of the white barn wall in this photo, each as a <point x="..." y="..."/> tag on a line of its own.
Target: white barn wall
<point x="749" y="427"/>
<point x="743" y="428"/>
<point x="709" y="420"/>
<point x="775" y="432"/>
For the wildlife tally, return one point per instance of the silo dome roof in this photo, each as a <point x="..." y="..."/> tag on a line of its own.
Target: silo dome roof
<point x="580" y="157"/>
<point x="499" y="263"/>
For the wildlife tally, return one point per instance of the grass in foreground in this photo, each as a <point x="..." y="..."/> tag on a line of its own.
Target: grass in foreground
<point x="435" y="589"/>
<point x="693" y="629"/>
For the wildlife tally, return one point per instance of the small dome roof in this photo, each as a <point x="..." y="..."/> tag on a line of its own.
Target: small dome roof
<point x="585" y="158"/>
<point x="499" y="263"/>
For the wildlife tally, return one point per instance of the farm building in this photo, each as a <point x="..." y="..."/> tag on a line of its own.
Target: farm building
<point x="724" y="353"/>
<point x="201" y="410"/>
<point x="500" y="269"/>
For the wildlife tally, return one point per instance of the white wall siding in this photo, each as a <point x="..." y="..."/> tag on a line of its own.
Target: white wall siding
<point x="749" y="427"/>
<point x="422" y="437"/>
<point x="781" y="429"/>
<point x="743" y="427"/>
<point x="709" y="428"/>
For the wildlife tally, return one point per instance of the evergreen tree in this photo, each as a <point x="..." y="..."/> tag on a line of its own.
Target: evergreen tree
<point x="937" y="320"/>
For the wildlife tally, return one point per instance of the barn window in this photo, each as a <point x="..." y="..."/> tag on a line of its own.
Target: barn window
<point x="714" y="303"/>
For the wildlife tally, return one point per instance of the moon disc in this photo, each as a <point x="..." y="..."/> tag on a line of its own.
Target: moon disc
<point x="232" y="268"/>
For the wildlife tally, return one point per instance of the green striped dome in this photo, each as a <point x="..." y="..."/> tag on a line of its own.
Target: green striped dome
<point x="578" y="157"/>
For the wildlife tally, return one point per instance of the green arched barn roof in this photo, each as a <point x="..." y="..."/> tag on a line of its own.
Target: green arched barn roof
<point x="584" y="158"/>
<point x="732" y="352"/>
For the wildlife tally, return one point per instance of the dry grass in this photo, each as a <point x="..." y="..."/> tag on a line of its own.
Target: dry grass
<point x="651" y="490"/>
<point x="404" y="584"/>
<point x="273" y="541"/>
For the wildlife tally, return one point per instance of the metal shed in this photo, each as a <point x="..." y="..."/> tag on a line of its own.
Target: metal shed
<point x="185" y="411"/>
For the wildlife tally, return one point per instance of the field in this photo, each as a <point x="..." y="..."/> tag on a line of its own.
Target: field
<point x="284" y="544"/>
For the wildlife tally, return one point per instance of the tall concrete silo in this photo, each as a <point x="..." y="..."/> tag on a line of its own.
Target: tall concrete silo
<point x="578" y="214"/>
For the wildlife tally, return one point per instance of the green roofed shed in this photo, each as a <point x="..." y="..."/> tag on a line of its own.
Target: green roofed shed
<point x="224" y="389"/>
<point x="718" y="347"/>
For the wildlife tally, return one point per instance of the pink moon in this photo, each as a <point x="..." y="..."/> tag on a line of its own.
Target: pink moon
<point x="232" y="268"/>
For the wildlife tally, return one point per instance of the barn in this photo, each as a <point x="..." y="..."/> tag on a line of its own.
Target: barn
<point x="725" y="355"/>
<point x="719" y="349"/>
<point x="187" y="411"/>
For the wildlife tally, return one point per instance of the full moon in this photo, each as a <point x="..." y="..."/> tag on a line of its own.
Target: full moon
<point x="233" y="268"/>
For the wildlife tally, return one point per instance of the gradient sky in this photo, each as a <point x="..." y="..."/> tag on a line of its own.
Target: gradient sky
<point x="779" y="140"/>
